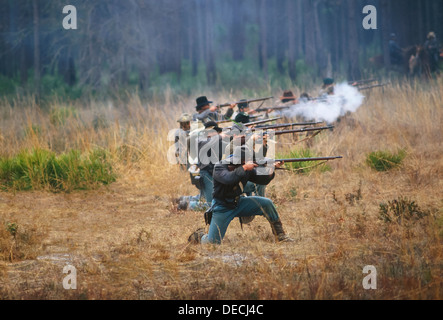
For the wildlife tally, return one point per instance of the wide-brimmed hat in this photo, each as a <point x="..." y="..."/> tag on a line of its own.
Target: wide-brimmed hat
<point x="242" y="104"/>
<point x="328" y="81"/>
<point x="288" y="96"/>
<point x="185" y="117"/>
<point x="242" y="118"/>
<point x="201" y="102"/>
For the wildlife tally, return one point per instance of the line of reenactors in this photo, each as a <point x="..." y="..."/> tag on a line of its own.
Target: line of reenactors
<point x="229" y="165"/>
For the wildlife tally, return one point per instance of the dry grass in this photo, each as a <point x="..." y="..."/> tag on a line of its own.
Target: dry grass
<point x="127" y="240"/>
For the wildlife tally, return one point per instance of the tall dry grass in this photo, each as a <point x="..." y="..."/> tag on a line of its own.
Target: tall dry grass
<point x="128" y="240"/>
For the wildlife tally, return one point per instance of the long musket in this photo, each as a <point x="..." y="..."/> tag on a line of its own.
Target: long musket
<point x="247" y="101"/>
<point x="274" y="108"/>
<point x="361" y="82"/>
<point x="295" y="124"/>
<point x="261" y="121"/>
<point x="307" y="159"/>
<point x="374" y="86"/>
<point x="279" y="133"/>
<point x="265" y="162"/>
<point x="231" y="120"/>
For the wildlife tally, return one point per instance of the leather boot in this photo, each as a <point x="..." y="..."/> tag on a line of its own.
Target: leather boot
<point x="196" y="236"/>
<point x="279" y="233"/>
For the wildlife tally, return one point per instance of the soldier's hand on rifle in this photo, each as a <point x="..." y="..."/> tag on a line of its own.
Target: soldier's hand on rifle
<point x="279" y="164"/>
<point x="232" y="106"/>
<point x="213" y="108"/>
<point x="250" y="166"/>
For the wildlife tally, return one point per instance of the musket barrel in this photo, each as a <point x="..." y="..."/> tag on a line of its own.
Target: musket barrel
<point x="278" y="133"/>
<point x="308" y="159"/>
<point x="265" y="161"/>
<point x="374" y="86"/>
<point x="247" y="101"/>
<point x="274" y="108"/>
<point x="285" y="125"/>
<point x="261" y="121"/>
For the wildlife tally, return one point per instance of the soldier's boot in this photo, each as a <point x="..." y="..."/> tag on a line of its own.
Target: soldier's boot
<point x="183" y="203"/>
<point x="196" y="236"/>
<point x="279" y="233"/>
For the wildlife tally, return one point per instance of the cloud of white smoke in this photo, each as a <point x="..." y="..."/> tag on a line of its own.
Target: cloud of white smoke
<point x="345" y="99"/>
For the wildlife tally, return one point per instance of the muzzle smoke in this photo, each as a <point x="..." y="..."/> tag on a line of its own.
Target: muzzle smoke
<point x="330" y="108"/>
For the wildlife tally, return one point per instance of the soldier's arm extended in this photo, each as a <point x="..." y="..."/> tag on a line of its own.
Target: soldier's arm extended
<point x="262" y="179"/>
<point x="223" y="175"/>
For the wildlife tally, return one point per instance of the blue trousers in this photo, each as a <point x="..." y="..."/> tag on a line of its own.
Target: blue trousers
<point x="247" y="207"/>
<point x="251" y="188"/>
<point x="207" y="185"/>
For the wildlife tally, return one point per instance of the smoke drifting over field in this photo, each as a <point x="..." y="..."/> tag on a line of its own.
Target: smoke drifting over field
<point x="346" y="99"/>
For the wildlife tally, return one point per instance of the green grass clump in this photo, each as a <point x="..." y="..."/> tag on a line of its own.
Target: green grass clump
<point x="43" y="169"/>
<point x="385" y="160"/>
<point x="306" y="166"/>
<point x="401" y="209"/>
<point x="58" y="116"/>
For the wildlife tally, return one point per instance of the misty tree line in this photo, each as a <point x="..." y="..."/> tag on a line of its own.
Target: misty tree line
<point x="116" y="39"/>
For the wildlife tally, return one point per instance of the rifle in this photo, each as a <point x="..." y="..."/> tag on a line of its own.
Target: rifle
<point x="273" y="108"/>
<point x="247" y="101"/>
<point x="261" y="121"/>
<point x="361" y="82"/>
<point x="231" y="120"/>
<point x="373" y="86"/>
<point x="285" y="125"/>
<point x="279" y="133"/>
<point x="265" y="162"/>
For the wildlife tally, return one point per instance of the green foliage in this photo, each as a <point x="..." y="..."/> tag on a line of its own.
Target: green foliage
<point x="12" y="228"/>
<point x="304" y="167"/>
<point x="7" y="85"/>
<point x="385" y="160"/>
<point x="59" y="115"/>
<point x="401" y="209"/>
<point x="40" y="169"/>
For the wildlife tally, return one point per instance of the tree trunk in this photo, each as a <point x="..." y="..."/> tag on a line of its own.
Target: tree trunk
<point x="263" y="38"/>
<point x="211" y="74"/>
<point x="354" y="66"/>
<point x="386" y="32"/>
<point x="238" y="32"/>
<point x="310" y="50"/>
<point x="291" y="40"/>
<point x="37" y="67"/>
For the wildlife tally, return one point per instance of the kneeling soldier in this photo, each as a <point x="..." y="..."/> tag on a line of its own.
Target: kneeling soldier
<point x="230" y="177"/>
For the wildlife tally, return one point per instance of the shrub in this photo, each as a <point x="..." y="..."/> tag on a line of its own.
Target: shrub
<point x="59" y="116"/>
<point x="401" y="209"/>
<point x="385" y="160"/>
<point x="41" y="169"/>
<point x="306" y="166"/>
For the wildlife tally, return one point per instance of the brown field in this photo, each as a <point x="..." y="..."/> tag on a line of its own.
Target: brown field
<point x="127" y="240"/>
